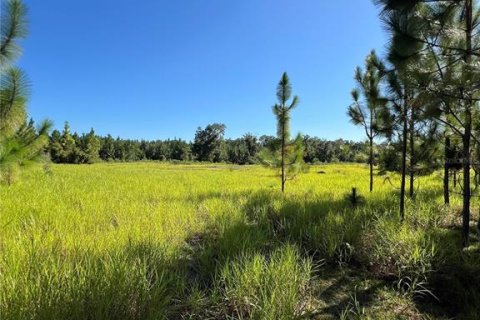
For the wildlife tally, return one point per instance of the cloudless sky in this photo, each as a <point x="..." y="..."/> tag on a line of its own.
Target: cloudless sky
<point x="158" y="69"/>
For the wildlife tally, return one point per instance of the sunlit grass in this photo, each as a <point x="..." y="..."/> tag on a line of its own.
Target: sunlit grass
<point x="155" y="240"/>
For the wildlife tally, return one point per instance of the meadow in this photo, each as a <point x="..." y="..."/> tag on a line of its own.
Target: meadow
<point x="152" y="240"/>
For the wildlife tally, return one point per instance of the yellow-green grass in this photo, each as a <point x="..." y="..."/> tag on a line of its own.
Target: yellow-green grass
<point x="159" y="241"/>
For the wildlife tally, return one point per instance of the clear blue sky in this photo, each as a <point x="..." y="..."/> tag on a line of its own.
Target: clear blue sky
<point x="155" y="69"/>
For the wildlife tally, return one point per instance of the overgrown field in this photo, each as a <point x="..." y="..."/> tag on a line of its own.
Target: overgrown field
<point x="178" y="241"/>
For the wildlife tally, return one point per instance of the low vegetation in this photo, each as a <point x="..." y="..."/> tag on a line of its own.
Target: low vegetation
<point x="168" y="241"/>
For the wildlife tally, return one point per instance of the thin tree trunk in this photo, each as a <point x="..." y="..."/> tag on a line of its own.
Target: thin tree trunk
<point x="371" y="149"/>
<point x="283" y="157"/>
<point x="468" y="129"/>
<point x="404" y="164"/>
<point x="466" y="186"/>
<point x="371" y="164"/>
<point x="412" y="153"/>
<point x="446" y="188"/>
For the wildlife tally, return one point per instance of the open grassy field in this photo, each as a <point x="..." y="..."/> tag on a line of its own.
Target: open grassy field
<point x="179" y="241"/>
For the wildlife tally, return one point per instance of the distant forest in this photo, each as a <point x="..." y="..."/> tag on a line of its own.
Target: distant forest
<point x="208" y="144"/>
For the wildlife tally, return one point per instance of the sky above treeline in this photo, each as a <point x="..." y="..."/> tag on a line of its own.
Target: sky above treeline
<point x="156" y="69"/>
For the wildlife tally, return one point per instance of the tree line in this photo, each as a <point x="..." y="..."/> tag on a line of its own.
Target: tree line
<point x="208" y="145"/>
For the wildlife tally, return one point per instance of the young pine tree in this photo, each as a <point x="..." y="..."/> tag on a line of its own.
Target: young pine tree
<point x="285" y="154"/>
<point x="368" y="112"/>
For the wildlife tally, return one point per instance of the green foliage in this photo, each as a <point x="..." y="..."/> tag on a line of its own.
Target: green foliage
<point x="20" y="143"/>
<point x="14" y="88"/>
<point x="90" y="144"/>
<point x="368" y="109"/>
<point x="389" y="160"/>
<point x="284" y="153"/>
<point x="209" y="144"/>
<point x="244" y="150"/>
<point x="13" y="28"/>
<point x="368" y="112"/>
<point x="68" y="148"/>
<point x="432" y="48"/>
<point x="293" y="157"/>
<point x="107" y="148"/>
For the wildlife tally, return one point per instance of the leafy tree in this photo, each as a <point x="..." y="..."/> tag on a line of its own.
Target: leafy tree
<point x="368" y="112"/>
<point x="242" y="150"/>
<point x="251" y="143"/>
<point x="131" y="150"/>
<point x="208" y="144"/>
<point x="266" y="141"/>
<point x="237" y="151"/>
<point x="311" y="147"/>
<point x="285" y="153"/>
<point x="179" y="150"/>
<point x="20" y="142"/>
<point x="319" y="150"/>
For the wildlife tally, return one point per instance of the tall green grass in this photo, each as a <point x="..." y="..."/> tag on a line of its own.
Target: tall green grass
<point x="267" y="287"/>
<point x="162" y="241"/>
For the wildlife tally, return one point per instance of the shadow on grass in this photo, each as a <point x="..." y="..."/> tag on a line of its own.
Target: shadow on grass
<point x="324" y="228"/>
<point x="343" y="291"/>
<point x="139" y="281"/>
<point x="456" y="277"/>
